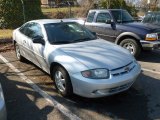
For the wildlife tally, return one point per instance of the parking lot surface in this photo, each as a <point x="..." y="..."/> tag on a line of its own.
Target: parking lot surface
<point x="30" y="94"/>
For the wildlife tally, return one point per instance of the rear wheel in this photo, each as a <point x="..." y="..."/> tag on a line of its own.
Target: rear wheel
<point x="18" y="54"/>
<point x="132" y="46"/>
<point x="62" y="81"/>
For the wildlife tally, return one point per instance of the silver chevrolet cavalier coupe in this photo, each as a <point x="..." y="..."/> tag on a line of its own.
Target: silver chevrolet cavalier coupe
<point x="75" y="58"/>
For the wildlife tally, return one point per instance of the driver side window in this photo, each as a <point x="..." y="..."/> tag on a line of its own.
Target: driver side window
<point x="102" y="17"/>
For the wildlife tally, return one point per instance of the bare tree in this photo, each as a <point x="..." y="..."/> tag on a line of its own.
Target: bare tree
<point x="108" y="4"/>
<point x="86" y="5"/>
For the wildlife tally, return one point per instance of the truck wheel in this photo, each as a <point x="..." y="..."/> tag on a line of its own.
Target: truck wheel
<point x="18" y="54"/>
<point x="62" y="81"/>
<point x="132" y="46"/>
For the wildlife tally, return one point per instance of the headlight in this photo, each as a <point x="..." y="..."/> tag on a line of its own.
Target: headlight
<point x="152" y="36"/>
<point x="96" y="74"/>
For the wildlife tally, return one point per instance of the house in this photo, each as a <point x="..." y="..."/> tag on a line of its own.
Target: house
<point x="53" y="3"/>
<point x="44" y="2"/>
<point x="47" y="3"/>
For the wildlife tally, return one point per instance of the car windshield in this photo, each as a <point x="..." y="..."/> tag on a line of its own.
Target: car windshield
<point x="153" y="17"/>
<point x="67" y="32"/>
<point x="122" y="16"/>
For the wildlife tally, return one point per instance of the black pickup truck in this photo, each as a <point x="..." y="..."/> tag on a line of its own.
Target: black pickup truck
<point x="117" y="25"/>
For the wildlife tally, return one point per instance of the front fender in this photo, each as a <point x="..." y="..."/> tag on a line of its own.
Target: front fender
<point x="69" y="63"/>
<point x="125" y="35"/>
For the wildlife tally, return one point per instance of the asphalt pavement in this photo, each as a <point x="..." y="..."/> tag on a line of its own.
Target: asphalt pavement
<point x="30" y="94"/>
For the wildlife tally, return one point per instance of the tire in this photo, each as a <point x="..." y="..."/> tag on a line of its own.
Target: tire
<point x="132" y="46"/>
<point x="18" y="54"/>
<point x="62" y="81"/>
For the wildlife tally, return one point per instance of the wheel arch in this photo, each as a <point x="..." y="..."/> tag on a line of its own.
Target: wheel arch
<point x="53" y="65"/>
<point x="126" y="35"/>
<point x="14" y="42"/>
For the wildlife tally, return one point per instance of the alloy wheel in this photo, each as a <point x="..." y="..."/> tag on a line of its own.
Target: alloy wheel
<point x="18" y="52"/>
<point x="60" y="81"/>
<point x="130" y="47"/>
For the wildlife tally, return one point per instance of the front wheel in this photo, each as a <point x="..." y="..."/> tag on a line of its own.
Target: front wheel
<point x="62" y="81"/>
<point x="131" y="45"/>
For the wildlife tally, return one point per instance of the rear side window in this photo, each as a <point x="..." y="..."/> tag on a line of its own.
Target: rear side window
<point x="102" y="17"/>
<point x="31" y="30"/>
<point x="90" y="16"/>
<point x="34" y="30"/>
<point x="24" y="28"/>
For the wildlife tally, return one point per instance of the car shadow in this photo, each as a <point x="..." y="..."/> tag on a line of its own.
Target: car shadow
<point x="21" y="101"/>
<point x="150" y="56"/>
<point x="131" y="105"/>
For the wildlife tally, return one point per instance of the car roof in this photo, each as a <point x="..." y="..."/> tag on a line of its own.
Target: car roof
<point x="48" y="21"/>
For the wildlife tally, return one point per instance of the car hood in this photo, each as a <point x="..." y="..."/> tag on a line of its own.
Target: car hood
<point x="143" y="26"/>
<point x="98" y="54"/>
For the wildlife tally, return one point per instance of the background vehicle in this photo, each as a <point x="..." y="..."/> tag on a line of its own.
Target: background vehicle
<point x="152" y="18"/>
<point x="77" y="61"/>
<point x="3" y="114"/>
<point x="66" y="4"/>
<point x="118" y="26"/>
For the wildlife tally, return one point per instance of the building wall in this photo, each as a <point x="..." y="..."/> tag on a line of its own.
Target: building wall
<point x="44" y="1"/>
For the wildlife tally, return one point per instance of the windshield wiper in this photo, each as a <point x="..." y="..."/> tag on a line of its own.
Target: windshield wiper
<point x="62" y="42"/>
<point x="83" y="39"/>
<point x="72" y="41"/>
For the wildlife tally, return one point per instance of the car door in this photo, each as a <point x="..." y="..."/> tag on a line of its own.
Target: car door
<point x="104" y="30"/>
<point x="23" y="39"/>
<point x="38" y="48"/>
<point x="89" y="22"/>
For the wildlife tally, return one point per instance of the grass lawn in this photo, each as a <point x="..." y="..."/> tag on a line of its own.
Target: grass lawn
<point x="46" y="10"/>
<point x="5" y="33"/>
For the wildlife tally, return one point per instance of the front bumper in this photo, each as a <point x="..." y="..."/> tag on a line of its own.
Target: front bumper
<point x="150" y="45"/>
<point x="99" y="88"/>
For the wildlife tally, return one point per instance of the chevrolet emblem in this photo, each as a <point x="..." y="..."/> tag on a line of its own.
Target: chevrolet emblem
<point x="126" y="69"/>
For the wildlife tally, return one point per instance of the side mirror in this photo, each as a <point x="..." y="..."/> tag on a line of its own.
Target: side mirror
<point x="94" y="33"/>
<point x="109" y="21"/>
<point x="38" y="40"/>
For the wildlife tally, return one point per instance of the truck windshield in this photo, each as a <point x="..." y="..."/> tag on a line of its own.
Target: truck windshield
<point x="122" y="16"/>
<point x="67" y="32"/>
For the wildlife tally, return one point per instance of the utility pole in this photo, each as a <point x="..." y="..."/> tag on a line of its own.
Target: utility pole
<point x="148" y="2"/>
<point x="108" y="4"/>
<point x="23" y="9"/>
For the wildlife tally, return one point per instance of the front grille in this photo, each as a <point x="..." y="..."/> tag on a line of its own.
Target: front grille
<point x="123" y="70"/>
<point x="120" y="88"/>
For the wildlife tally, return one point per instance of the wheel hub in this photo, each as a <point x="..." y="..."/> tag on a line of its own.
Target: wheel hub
<point x="17" y="52"/>
<point x="130" y="47"/>
<point x="60" y="81"/>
